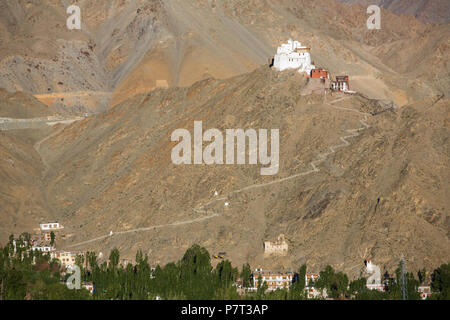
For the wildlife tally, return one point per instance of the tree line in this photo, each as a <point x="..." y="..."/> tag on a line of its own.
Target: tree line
<point x="28" y="274"/>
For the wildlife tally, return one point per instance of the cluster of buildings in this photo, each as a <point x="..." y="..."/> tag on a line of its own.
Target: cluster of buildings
<point x="374" y="281"/>
<point x="292" y="55"/>
<point x="280" y="280"/>
<point x="284" y="280"/>
<point x="311" y="291"/>
<point x="42" y="237"/>
<point x="66" y="258"/>
<point x="42" y="241"/>
<point x="273" y="281"/>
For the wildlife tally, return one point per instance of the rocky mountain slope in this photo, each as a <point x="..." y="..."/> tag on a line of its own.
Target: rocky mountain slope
<point x="380" y="196"/>
<point x="19" y="105"/>
<point x="428" y="11"/>
<point x="155" y="66"/>
<point x="23" y="203"/>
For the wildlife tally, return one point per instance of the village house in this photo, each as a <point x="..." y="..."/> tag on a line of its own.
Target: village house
<point x="320" y="73"/>
<point x="51" y="226"/>
<point x="311" y="278"/>
<point x="66" y="258"/>
<point x="24" y="244"/>
<point x="43" y="248"/>
<point x="273" y="281"/>
<point x="279" y="247"/>
<point x="45" y="236"/>
<point x="89" y="286"/>
<point x="341" y="84"/>
<point x="292" y="55"/>
<point x="376" y="286"/>
<point x="424" y="292"/>
<point x="311" y="291"/>
<point x="318" y="83"/>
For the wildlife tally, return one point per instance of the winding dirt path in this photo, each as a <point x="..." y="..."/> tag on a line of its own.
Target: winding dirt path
<point x="38" y="144"/>
<point x="201" y="209"/>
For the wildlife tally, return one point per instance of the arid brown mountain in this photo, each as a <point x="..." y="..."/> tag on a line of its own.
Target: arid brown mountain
<point x="126" y="48"/>
<point x="23" y="204"/>
<point x="428" y="11"/>
<point x="19" y="105"/>
<point x="21" y="192"/>
<point x="379" y="194"/>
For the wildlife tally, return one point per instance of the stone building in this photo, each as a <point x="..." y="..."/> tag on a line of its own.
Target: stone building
<point x="279" y="247"/>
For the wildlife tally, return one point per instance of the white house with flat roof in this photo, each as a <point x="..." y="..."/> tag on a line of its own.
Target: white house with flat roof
<point x="43" y="248"/>
<point x="66" y="258"/>
<point x="51" y="226"/>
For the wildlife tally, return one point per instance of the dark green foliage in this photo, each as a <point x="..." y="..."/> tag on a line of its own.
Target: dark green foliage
<point x="334" y="283"/>
<point x="52" y="238"/>
<point x="366" y="294"/>
<point x="262" y="287"/>
<point x="356" y="287"/>
<point x="395" y="286"/>
<point x="190" y="278"/>
<point x="114" y="258"/>
<point x="297" y="290"/>
<point x="357" y="290"/>
<point x="440" y="282"/>
<point x="422" y="275"/>
<point x="27" y="274"/>
<point x="246" y="275"/>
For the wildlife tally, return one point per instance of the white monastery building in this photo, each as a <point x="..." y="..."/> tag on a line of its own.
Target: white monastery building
<point x="293" y="55"/>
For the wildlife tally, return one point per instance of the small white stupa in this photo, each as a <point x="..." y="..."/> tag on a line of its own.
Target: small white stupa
<point x="374" y="271"/>
<point x="293" y="55"/>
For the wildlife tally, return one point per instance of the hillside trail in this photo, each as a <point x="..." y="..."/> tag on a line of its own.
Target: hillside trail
<point x="46" y="167"/>
<point x="23" y="124"/>
<point x="71" y="94"/>
<point x="201" y="209"/>
<point x="37" y="145"/>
